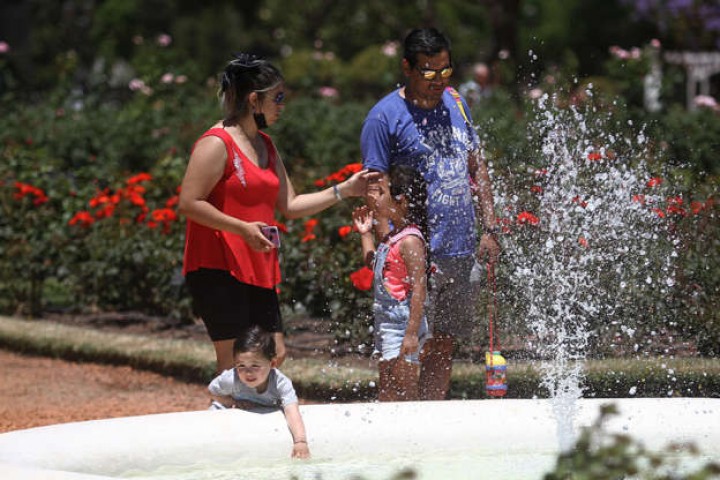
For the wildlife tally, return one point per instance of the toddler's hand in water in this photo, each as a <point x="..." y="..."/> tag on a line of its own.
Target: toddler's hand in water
<point x="301" y="450"/>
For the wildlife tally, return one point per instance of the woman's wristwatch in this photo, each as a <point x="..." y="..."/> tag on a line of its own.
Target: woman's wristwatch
<point x="492" y="230"/>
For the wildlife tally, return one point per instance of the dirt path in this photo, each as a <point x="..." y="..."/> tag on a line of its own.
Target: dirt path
<point x="37" y="391"/>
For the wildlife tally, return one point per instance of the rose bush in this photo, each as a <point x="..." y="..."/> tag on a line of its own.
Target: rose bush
<point x="79" y="230"/>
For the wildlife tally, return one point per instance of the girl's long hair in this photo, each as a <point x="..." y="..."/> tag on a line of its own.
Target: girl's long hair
<point x="407" y="181"/>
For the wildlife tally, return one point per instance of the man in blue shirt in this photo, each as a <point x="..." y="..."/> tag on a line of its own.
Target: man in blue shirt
<point x="427" y="125"/>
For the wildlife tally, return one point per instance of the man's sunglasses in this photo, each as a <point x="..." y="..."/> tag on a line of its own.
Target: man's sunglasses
<point x="430" y="74"/>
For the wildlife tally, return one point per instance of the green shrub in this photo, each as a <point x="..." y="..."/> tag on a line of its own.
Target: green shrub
<point x="601" y="455"/>
<point x="73" y="146"/>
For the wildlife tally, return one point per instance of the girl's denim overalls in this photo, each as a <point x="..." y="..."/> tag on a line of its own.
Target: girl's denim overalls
<point x="391" y="314"/>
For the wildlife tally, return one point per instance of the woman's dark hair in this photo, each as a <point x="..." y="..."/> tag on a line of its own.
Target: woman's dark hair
<point x="407" y="181"/>
<point x="243" y="75"/>
<point x="426" y="41"/>
<point x="255" y="339"/>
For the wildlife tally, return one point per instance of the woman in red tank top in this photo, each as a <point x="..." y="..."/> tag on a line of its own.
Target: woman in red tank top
<point x="234" y="183"/>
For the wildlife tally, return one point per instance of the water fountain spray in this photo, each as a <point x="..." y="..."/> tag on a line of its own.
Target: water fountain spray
<point x="584" y="253"/>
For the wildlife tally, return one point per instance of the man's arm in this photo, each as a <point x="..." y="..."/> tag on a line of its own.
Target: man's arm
<point x="486" y="206"/>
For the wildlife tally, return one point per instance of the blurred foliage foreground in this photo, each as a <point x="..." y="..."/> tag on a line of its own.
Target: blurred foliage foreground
<point x="89" y="184"/>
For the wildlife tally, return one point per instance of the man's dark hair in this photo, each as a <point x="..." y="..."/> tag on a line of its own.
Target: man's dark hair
<point x="255" y="339"/>
<point x="426" y="41"/>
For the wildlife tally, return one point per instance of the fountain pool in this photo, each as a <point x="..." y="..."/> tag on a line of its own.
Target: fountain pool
<point x="450" y="439"/>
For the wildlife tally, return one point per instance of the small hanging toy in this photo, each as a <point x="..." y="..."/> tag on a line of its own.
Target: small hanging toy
<point x="495" y="364"/>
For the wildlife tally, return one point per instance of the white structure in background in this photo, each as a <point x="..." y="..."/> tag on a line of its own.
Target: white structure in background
<point x="652" y="82"/>
<point x="699" y="66"/>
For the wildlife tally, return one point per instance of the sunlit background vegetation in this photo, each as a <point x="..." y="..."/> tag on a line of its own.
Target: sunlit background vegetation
<point x="101" y="102"/>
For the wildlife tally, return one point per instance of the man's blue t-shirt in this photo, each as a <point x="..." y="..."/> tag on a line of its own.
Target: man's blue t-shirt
<point x="436" y="142"/>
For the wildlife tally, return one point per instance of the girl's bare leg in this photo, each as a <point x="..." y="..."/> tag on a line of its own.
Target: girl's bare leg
<point x="436" y="368"/>
<point x="398" y="380"/>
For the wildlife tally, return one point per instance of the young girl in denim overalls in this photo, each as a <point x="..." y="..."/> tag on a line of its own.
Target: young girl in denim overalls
<point x="400" y="282"/>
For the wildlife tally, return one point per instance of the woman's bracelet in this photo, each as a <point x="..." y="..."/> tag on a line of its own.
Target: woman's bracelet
<point x="336" y="191"/>
<point x="299" y="441"/>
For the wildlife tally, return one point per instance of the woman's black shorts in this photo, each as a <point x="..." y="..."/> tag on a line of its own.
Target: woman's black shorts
<point x="228" y="306"/>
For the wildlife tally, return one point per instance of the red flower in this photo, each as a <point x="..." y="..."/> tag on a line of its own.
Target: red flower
<point x="654" y="182"/>
<point x="696" y="207"/>
<point x="659" y="212"/>
<point x="140" y="177"/>
<point x="309" y="228"/>
<point x="336" y="177"/>
<point x="527" y="217"/>
<point x="164" y="215"/>
<point x="82" y="218"/>
<point x="344" y="231"/>
<point x="536" y="189"/>
<point x="674" y="206"/>
<point x="639" y="199"/>
<point x="583" y="241"/>
<point x="353" y="168"/>
<point x="594" y="156"/>
<point x="172" y="201"/>
<point x="100" y="198"/>
<point x="577" y="200"/>
<point x="106" y="211"/>
<point x="341" y="175"/>
<point x="282" y="227"/>
<point x="362" y="279"/>
<point x="25" y="189"/>
<point x="135" y="198"/>
<point x="40" y="198"/>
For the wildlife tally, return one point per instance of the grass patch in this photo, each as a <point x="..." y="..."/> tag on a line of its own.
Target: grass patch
<point x="187" y="360"/>
<point x="608" y="378"/>
<point x="316" y="379"/>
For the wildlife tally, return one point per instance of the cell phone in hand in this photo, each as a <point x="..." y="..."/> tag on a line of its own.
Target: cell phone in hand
<point x="272" y="233"/>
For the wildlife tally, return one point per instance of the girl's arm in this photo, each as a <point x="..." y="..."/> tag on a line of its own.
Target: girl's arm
<point x="292" y="205"/>
<point x="363" y="221"/>
<point x="412" y="251"/>
<point x="204" y="171"/>
<point x="297" y="430"/>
